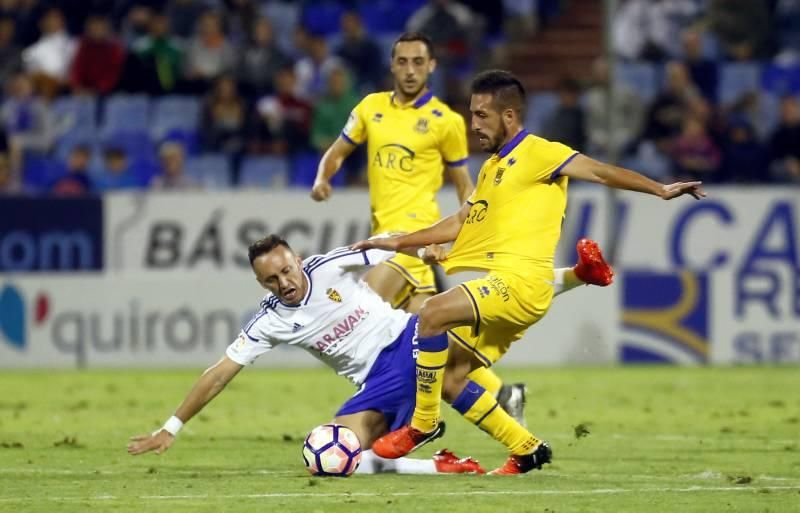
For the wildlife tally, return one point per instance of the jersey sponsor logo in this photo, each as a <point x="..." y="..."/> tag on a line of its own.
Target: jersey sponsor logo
<point x="341" y="330"/>
<point x="499" y="286"/>
<point x="296" y="327"/>
<point x="351" y="122"/>
<point x="498" y="177"/>
<point x="334" y="295"/>
<point x="478" y="212"/>
<point x="394" y="156"/>
<point x="421" y="126"/>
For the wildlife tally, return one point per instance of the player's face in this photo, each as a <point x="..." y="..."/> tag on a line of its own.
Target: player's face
<point x="281" y="272"/>
<point x="411" y="66"/>
<point x="487" y="123"/>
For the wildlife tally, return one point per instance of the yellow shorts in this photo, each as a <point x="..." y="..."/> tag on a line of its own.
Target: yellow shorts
<point x="505" y="306"/>
<point x="419" y="278"/>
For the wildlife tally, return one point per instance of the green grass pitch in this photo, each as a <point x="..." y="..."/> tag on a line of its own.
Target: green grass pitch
<point x="648" y="439"/>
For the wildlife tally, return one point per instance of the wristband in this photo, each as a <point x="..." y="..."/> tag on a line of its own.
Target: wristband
<point x="173" y="425"/>
<point x="421" y="252"/>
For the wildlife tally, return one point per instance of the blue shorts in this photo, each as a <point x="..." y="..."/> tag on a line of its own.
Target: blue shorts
<point x="391" y="385"/>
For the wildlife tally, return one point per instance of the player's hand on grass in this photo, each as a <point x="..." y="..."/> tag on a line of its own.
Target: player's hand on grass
<point x="321" y="190"/>
<point x="159" y="442"/>
<point x="432" y="254"/>
<point x="674" y="190"/>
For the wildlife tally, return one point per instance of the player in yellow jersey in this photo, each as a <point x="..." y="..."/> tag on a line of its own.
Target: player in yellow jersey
<point x="412" y="137"/>
<point x="508" y="228"/>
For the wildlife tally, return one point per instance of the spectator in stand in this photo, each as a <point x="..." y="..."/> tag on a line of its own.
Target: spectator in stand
<point x="160" y="56"/>
<point x="136" y="23"/>
<point x="745" y="159"/>
<point x="312" y="71"/>
<point x="282" y="121"/>
<point x="566" y="124"/>
<point x="695" y="154"/>
<point x="787" y="20"/>
<point x="241" y="16"/>
<point x="10" y="53"/>
<point x="9" y="184"/>
<point x="704" y="72"/>
<point x="650" y="29"/>
<point x="172" y="176"/>
<point x="26" y="14"/>
<point x="785" y="143"/>
<point x="117" y="172"/>
<point x="49" y="59"/>
<point x="330" y="115"/>
<point x="260" y="60"/>
<point x="210" y="54"/>
<point x="361" y="53"/>
<point x="451" y="27"/>
<point x="665" y="118"/>
<point x="75" y="181"/>
<point x="741" y="26"/>
<point x="183" y="15"/>
<point x="26" y="120"/>
<point x="619" y="136"/>
<point x="223" y="121"/>
<point x="98" y="63"/>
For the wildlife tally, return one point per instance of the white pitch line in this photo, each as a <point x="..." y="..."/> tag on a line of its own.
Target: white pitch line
<point x="298" y="495"/>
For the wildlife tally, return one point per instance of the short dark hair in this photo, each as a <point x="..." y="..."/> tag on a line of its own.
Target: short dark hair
<point x="506" y="89"/>
<point x="414" y="36"/>
<point x="264" y="246"/>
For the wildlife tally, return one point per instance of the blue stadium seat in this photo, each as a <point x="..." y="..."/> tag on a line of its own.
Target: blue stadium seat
<point x="381" y="17"/>
<point x="767" y="115"/>
<point x="75" y="115"/>
<point x="39" y="172"/>
<point x="322" y="18"/>
<point x="540" y="107"/>
<point x="641" y="77"/>
<point x="385" y="42"/>
<point x="264" y="172"/>
<point x="212" y="170"/>
<point x="737" y="78"/>
<point x="781" y="80"/>
<point x="304" y="171"/>
<point x="126" y="114"/>
<point x="173" y="114"/>
<point x="474" y="163"/>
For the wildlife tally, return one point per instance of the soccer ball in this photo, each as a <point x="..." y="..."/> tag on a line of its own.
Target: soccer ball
<point x="331" y="450"/>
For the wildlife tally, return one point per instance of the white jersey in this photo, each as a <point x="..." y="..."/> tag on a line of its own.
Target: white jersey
<point x="340" y="321"/>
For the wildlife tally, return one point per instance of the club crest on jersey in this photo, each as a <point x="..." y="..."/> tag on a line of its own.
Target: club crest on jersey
<point x="377" y="117"/>
<point x="498" y="177"/>
<point x="333" y="295"/>
<point x="421" y="126"/>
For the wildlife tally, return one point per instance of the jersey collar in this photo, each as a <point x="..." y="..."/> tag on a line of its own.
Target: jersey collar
<point x="513" y="143"/>
<point x="419" y="102"/>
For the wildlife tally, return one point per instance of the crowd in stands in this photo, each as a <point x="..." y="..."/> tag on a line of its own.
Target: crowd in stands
<point x="106" y="95"/>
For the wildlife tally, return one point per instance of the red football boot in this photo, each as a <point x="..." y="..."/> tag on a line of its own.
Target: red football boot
<point x="591" y="267"/>
<point x="516" y="464"/>
<point x="402" y="441"/>
<point x="448" y="463"/>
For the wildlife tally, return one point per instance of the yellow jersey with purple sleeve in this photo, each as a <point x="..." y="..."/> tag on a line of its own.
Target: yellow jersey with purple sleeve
<point x="511" y="231"/>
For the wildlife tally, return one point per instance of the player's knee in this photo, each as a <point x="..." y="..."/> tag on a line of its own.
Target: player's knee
<point x="430" y="318"/>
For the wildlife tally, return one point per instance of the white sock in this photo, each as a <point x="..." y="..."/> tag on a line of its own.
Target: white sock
<point x="565" y="280"/>
<point x="371" y="463"/>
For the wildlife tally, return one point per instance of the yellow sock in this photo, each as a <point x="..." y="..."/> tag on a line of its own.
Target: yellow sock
<point x="430" y="373"/>
<point x="480" y="407"/>
<point x="485" y="377"/>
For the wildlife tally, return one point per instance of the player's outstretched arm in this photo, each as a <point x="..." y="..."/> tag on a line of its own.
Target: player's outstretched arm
<point x="585" y="168"/>
<point x="329" y="165"/>
<point x="211" y="383"/>
<point x="444" y="231"/>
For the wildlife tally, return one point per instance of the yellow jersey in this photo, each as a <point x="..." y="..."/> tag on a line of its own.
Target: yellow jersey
<point x="517" y="209"/>
<point x="408" y="147"/>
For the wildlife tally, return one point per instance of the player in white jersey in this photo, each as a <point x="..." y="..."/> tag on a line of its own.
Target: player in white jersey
<point x="323" y="306"/>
